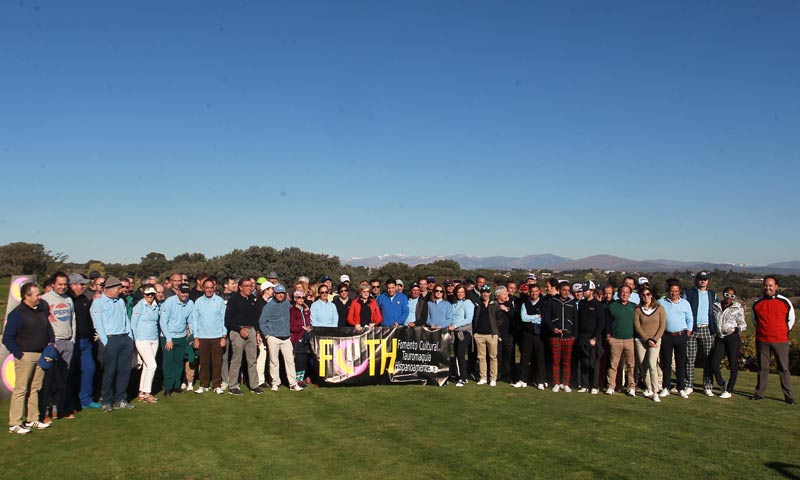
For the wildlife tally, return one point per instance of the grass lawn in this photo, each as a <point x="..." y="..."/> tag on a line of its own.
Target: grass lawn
<point x="420" y="432"/>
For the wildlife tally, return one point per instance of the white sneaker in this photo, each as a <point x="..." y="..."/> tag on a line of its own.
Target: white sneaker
<point x="708" y="392"/>
<point x="632" y="392"/>
<point x="219" y="391"/>
<point x="18" y="429"/>
<point x="567" y="389"/>
<point x="190" y="388"/>
<point x="201" y="390"/>
<point x="492" y="383"/>
<point x="673" y="390"/>
<point x="482" y="381"/>
<point x="689" y="391"/>
<point x="540" y="386"/>
<point x="296" y="388"/>
<point x="683" y="394"/>
<point x="556" y="387"/>
<point x="595" y="391"/>
<point x="224" y="385"/>
<point x="609" y="391"/>
<point x="648" y="393"/>
<point x="275" y="388"/>
<point x="664" y="393"/>
<point x="183" y="386"/>
<point x="459" y="383"/>
<point x="519" y="384"/>
<point x="656" y="398"/>
<point x="582" y="390"/>
<point x="36" y="424"/>
<point x="725" y="395"/>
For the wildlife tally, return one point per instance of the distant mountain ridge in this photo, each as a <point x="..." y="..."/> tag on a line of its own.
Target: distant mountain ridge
<point x="555" y="262"/>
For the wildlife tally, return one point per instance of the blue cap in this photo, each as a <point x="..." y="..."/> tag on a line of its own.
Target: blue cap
<point x="279" y="289"/>
<point x="49" y="352"/>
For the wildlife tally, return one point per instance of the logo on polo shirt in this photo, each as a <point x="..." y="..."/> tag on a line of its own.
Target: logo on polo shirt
<point x="60" y="312"/>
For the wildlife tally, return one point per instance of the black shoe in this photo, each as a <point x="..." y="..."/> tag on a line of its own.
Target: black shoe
<point x="257" y="390"/>
<point x="756" y="397"/>
<point x="167" y="394"/>
<point x="235" y="391"/>
<point x="177" y="390"/>
<point x="790" y="401"/>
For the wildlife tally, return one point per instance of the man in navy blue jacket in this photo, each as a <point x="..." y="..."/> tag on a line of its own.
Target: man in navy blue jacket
<point x="702" y="299"/>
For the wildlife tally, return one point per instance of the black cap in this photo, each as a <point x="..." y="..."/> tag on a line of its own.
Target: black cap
<point x="184" y="288"/>
<point x="486" y="288"/>
<point x="701" y="276"/>
<point x="94" y="274"/>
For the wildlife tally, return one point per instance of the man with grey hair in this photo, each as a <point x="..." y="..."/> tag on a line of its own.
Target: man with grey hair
<point x="274" y="322"/>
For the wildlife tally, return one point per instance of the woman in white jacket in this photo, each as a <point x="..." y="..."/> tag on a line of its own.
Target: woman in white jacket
<point x="729" y="317"/>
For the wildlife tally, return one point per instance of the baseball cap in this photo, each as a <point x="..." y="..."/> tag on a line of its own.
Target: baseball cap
<point x="344" y="278"/>
<point x="184" y="288"/>
<point x="432" y="279"/>
<point x="531" y="276"/>
<point x="577" y="287"/>
<point x="280" y="289"/>
<point x="94" y="274"/>
<point x="589" y="286"/>
<point x="324" y="278"/>
<point x="266" y="285"/>
<point x="272" y="275"/>
<point x="77" y="278"/>
<point x="399" y="282"/>
<point x="701" y="276"/>
<point x="149" y="290"/>
<point x="448" y="282"/>
<point x="261" y="280"/>
<point x="486" y="288"/>
<point x="642" y="281"/>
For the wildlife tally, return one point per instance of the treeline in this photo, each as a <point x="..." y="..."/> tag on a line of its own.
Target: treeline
<point x="289" y="263"/>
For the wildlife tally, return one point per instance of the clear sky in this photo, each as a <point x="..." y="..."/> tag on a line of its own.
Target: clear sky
<point x="357" y="128"/>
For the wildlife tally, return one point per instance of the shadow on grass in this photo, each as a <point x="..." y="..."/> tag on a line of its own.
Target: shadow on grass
<point x="786" y="470"/>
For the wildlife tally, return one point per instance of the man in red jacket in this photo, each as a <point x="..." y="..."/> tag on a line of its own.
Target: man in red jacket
<point x="773" y="315"/>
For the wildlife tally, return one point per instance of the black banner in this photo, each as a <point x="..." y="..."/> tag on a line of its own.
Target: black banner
<point x="382" y="355"/>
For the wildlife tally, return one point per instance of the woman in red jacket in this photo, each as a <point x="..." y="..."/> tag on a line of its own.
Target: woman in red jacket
<point x="300" y="331"/>
<point x="364" y="311"/>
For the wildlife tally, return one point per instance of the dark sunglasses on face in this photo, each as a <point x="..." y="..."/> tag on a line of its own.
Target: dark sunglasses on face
<point x="323" y="292"/>
<point x="439" y="291"/>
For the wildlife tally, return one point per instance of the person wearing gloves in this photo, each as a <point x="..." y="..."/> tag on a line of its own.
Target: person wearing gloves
<point x="174" y="320"/>
<point x="110" y="317"/>
<point x="144" y="323"/>
<point x="729" y="321"/>
<point x="207" y="324"/>
<point x="274" y="324"/>
<point x="462" y="312"/>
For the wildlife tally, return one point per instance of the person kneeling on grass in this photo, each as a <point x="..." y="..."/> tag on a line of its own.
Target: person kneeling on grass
<point x="274" y="324"/>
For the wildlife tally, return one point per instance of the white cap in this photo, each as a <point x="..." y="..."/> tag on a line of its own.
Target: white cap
<point x="344" y="278"/>
<point x="267" y="285"/>
<point x="642" y="281"/>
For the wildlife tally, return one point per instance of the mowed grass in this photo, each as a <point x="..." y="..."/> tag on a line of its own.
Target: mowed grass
<point x="420" y="432"/>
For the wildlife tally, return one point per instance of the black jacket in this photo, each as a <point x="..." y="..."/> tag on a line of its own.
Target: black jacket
<point x="561" y="314"/>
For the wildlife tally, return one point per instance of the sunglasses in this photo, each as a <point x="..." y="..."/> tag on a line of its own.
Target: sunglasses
<point x="323" y="292"/>
<point x="149" y="294"/>
<point x="730" y="295"/>
<point x="438" y="291"/>
<point x="342" y="291"/>
<point x="647" y="294"/>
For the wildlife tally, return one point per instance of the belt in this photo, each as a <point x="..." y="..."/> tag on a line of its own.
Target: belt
<point x="117" y="335"/>
<point x="677" y="334"/>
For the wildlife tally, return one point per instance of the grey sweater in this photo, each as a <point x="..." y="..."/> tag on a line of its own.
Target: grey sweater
<point x="62" y="315"/>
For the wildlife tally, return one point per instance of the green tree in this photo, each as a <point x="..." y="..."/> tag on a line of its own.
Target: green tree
<point x="28" y="258"/>
<point x="153" y="263"/>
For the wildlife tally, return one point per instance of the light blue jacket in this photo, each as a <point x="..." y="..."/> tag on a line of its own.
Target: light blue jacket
<point x="175" y="317"/>
<point x="144" y="320"/>
<point x="440" y="313"/>
<point x="110" y="317"/>
<point x="208" y="317"/>
<point x="463" y="311"/>
<point x="324" y="314"/>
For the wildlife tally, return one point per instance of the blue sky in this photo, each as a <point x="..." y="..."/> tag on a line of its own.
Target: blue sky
<point x="641" y="130"/>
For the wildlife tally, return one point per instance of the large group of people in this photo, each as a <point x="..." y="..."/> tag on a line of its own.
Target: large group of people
<point x="619" y="339"/>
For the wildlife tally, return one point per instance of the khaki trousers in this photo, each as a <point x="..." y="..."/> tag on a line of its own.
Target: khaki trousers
<point x="28" y="377"/>
<point x="482" y="344"/>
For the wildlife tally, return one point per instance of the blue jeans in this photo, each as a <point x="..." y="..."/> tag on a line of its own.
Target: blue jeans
<point x="87" y="370"/>
<point x="117" y="368"/>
